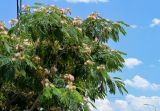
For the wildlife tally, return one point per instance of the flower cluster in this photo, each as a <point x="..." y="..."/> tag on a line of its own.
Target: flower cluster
<point x="77" y="21"/>
<point x="2" y="29"/>
<point x="26" y="42"/>
<point x="19" y="48"/>
<point x="51" y="8"/>
<point x="89" y="62"/>
<point x="79" y="29"/>
<point x="13" y="22"/>
<point x="57" y="45"/>
<point x="113" y="50"/>
<point x="101" y="67"/>
<point x="41" y="9"/>
<point x="36" y="59"/>
<point x="25" y="8"/>
<point x="43" y="72"/>
<point x="92" y="16"/>
<point x="69" y="78"/>
<point x="85" y="98"/>
<point x="18" y="55"/>
<point x="54" y="69"/>
<point x="45" y="82"/>
<point x="64" y="22"/>
<point x="87" y="49"/>
<point x="65" y="11"/>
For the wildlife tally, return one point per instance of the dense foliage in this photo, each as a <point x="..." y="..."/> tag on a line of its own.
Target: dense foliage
<point x="51" y="61"/>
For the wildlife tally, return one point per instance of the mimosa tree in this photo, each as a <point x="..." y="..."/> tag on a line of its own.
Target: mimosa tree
<point x="51" y="61"/>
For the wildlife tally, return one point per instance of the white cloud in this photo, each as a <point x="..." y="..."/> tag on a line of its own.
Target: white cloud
<point x="132" y="62"/>
<point x="155" y="22"/>
<point x="121" y="105"/>
<point x="141" y="83"/>
<point x="102" y="105"/>
<point x="137" y="103"/>
<point x="129" y="103"/>
<point x="133" y="26"/>
<point x="86" y="1"/>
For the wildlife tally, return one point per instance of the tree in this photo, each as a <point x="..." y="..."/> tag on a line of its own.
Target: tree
<point x="52" y="61"/>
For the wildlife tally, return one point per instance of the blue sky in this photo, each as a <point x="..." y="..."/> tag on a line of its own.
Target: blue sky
<point x="141" y="44"/>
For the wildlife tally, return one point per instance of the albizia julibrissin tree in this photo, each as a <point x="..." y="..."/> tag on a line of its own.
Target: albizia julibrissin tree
<point x="51" y="61"/>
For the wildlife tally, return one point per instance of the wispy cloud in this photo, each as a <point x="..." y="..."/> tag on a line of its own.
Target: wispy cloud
<point x="132" y="62"/>
<point x="155" y="22"/>
<point x="133" y="26"/>
<point x="86" y="1"/>
<point x="141" y="83"/>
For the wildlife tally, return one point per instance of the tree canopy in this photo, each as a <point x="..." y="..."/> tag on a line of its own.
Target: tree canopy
<point x="52" y="61"/>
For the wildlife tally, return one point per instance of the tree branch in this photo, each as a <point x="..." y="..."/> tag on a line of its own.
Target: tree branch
<point x="34" y="104"/>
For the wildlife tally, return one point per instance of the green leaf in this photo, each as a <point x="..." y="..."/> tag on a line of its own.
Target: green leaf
<point x="4" y="60"/>
<point x="123" y="23"/>
<point x="29" y="62"/>
<point x="47" y="92"/>
<point x="77" y="96"/>
<point x="23" y="73"/>
<point x="8" y="48"/>
<point x="56" y="91"/>
<point x="122" y="30"/>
